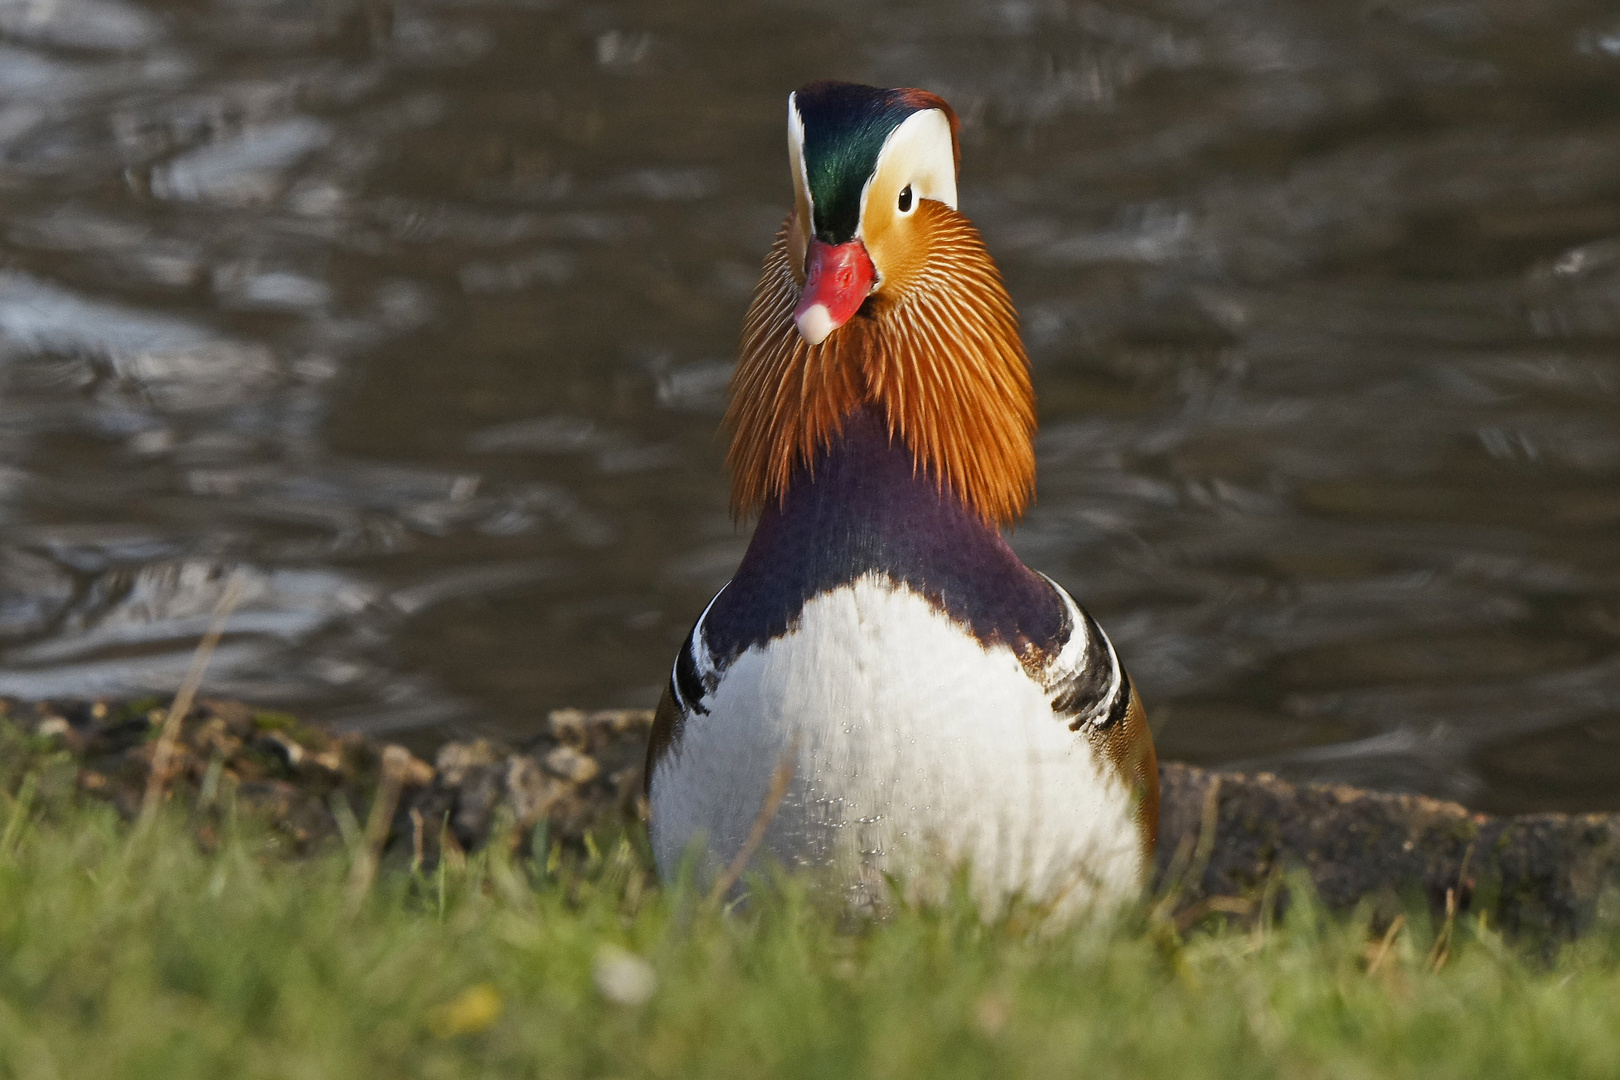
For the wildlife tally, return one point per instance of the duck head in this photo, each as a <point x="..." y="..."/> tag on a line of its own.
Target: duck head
<point x="879" y="292"/>
<point x="864" y="161"/>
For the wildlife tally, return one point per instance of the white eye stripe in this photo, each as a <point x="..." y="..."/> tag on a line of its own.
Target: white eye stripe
<point x="801" y="176"/>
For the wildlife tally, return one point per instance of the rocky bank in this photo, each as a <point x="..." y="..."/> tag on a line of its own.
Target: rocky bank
<point x="1227" y="846"/>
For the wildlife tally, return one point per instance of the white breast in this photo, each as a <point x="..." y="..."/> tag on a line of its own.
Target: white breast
<point x="913" y="748"/>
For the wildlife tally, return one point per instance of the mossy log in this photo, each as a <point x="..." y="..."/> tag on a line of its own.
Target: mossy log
<point x="1226" y="838"/>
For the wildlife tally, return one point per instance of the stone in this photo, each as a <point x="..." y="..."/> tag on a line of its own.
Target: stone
<point x="532" y="792"/>
<point x="571" y="765"/>
<point x="281" y="746"/>
<point x="568" y="727"/>
<point x="456" y="759"/>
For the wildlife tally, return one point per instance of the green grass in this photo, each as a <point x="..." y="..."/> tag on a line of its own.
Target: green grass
<point x="153" y="957"/>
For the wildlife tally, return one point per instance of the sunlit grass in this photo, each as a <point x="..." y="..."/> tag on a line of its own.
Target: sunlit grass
<point x="153" y="957"/>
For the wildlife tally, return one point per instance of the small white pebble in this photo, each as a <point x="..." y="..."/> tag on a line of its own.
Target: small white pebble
<point x="624" y="978"/>
<point x="54" y="727"/>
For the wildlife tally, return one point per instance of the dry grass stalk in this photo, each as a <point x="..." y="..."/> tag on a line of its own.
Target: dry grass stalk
<point x="450" y="849"/>
<point x="1188" y="868"/>
<point x="1381" y="951"/>
<point x="780" y="777"/>
<point x="418" y="825"/>
<point x="395" y="760"/>
<point x="1442" y="944"/>
<point x="1211" y="905"/>
<point x="158" y="778"/>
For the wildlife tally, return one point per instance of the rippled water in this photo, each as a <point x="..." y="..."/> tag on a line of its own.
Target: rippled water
<point x="422" y="312"/>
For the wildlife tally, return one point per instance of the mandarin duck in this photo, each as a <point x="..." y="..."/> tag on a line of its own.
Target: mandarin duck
<point x="884" y="690"/>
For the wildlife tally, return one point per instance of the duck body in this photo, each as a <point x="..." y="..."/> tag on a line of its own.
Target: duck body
<point x="884" y="691"/>
<point x="935" y="701"/>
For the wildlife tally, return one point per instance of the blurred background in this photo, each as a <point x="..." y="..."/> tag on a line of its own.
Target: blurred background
<point x="421" y="312"/>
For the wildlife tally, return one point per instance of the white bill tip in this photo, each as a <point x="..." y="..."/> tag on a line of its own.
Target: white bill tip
<point x="815" y="323"/>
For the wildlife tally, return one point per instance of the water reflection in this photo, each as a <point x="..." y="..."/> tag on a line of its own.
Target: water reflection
<point x="422" y="313"/>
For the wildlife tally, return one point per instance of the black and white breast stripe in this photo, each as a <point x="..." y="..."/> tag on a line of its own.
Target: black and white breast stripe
<point x="1088" y="684"/>
<point x="695" y="675"/>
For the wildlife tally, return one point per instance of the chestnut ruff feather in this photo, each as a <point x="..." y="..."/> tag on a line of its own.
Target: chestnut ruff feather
<point x="943" y="360"/>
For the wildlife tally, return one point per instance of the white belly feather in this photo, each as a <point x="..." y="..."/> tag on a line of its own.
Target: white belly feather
<point x="913" y="748"/>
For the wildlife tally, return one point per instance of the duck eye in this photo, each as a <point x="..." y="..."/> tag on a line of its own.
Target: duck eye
<point x="905" y="199"/>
